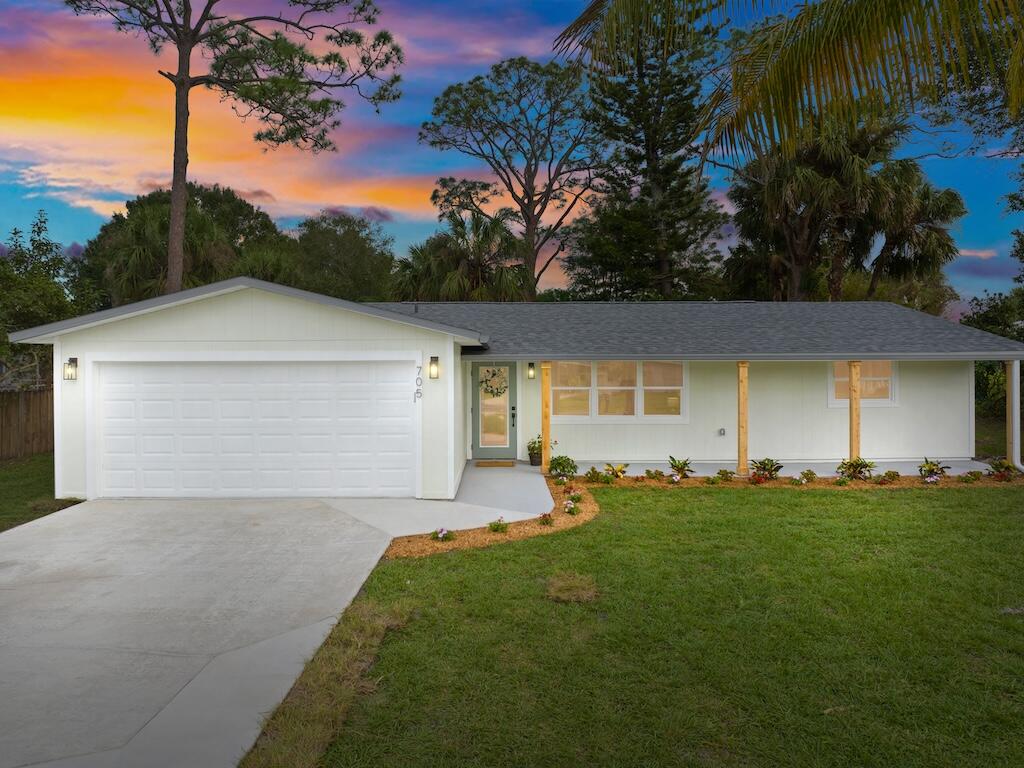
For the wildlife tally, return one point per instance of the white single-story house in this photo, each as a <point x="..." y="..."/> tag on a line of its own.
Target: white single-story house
<point x="245" y="388"/>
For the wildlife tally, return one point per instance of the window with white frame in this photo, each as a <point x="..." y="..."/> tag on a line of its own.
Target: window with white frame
<point x="663" y="388"/>
<point x="623" y="389"/>
<point x="570" y="388"/>
<point x="877" y="382"/>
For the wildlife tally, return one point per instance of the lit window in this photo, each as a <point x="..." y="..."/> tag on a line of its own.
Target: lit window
<point x="570" y="389"/>
<point x="876" y="380"/>
<point x="616" y="388"/>
<point x="663" y="388"/>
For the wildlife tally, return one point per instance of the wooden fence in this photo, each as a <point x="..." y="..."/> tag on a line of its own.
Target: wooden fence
<point x="26" y="423"/>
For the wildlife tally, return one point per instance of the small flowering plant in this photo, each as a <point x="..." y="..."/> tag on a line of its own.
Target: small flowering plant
<point x="498" y="526"/>
<point x="546" y="519"/>
<point x="932" y="479"/>
<point x="561" y="480"/>
<point x="442" y="534"/>
<point x="575" y="496"/>
<point x="674" y="478"/>
<point x="570" y="507"/>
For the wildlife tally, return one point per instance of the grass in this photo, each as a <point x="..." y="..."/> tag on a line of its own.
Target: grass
<point x="990" y="436"/>
<point x="727" y="627"/>
<point x="26" y="490"/>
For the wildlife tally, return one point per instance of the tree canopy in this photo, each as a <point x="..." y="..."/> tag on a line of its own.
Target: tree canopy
<point x="285" y="70"/>
<point x="526" y="122"/>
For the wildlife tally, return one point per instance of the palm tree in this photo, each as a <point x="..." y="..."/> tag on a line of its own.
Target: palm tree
<point x="824" y="58"/>
<point x="818" y="201"/>
<point x="472" y="261"/>
<point x="916" y="229"/>
<point x="133" y="250"/>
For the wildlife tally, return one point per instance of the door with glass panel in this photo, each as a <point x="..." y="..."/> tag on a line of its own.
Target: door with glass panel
<point x="494" y="411"/>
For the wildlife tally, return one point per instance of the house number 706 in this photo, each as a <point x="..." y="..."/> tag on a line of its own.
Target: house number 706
<point x="416" y="395"/>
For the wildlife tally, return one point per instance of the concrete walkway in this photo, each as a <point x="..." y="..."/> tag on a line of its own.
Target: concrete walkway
<point x="158" y="633"/>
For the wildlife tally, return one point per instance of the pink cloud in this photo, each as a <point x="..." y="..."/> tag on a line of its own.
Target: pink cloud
<point x="979" y="253"/>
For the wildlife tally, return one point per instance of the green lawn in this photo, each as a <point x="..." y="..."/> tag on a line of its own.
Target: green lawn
<point x="733" y="627"/>
<point x="990" y="436"/>
<point x="26" y="490"/>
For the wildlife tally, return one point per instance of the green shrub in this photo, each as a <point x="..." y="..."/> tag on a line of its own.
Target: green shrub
<point x="713" y="480"/>
<point x="498" y="526"/>
<point x="1002" y="470"/>
<point x="764" y="470"/>
<point x="680" y="467"/>
<point x="855" y="469"/>
<point x="654" y="474"/>
<point x="796" y="481"/>
<point x="593" y="475"/>
<point x="929" y="468"/>
<point x="841" y="481"/>
<point x="808" y="476"/>
<point x="562" y="466"/>
<point x="725" y="475"/>
<point x="576" y="497"/>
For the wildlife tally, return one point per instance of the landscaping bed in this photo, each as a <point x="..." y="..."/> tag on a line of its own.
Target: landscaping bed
<point x="821" y="483"/>
<point x="558" y="519"/>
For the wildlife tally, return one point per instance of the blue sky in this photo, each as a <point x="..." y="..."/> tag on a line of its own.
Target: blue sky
<point x="85" y="124"/>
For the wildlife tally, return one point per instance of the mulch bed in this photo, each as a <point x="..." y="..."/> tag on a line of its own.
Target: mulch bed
<point x="829" y="483"/>
<point x="422" y="545"/>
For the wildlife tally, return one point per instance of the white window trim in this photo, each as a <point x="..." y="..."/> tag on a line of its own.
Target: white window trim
<point x="638" y="394"/>
<point x="894" y="390"/>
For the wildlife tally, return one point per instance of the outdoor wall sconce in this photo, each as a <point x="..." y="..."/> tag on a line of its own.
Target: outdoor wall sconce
<point x="71" y="369"/>
<point x="433" y="371"/>
<point x="531" y="371"/>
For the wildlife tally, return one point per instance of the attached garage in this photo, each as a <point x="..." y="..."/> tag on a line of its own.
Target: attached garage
<point x="215" y="429"/>
<point x="246" y="389"/>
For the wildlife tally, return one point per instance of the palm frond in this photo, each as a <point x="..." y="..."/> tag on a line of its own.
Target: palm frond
<point x="826" y="57"/>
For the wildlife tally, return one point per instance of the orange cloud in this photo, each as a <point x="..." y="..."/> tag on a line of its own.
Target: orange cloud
<point x="84" y="114"/>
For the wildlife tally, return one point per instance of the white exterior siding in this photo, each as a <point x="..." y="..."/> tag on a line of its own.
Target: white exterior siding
<point x="253" y="324"/>
<point x="790" y="417"/>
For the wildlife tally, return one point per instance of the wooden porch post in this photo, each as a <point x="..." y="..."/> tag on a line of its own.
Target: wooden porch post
<point x="854" y="409"/>
<point x="1008" y="367"/>
<point x="545" y="415"/>
<point x="742" y="371"/>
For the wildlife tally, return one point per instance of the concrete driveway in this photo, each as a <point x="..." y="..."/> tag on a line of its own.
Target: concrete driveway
<point x="158" y="633"/>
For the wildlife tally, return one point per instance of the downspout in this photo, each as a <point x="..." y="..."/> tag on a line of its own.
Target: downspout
<point x="1013" y="385"/>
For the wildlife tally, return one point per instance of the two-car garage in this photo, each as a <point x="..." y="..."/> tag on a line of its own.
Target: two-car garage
<point x="231" y="429"/>
<point x="249" y="389"/>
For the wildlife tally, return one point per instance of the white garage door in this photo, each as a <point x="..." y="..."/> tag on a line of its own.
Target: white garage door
<point x="256" y="429"/>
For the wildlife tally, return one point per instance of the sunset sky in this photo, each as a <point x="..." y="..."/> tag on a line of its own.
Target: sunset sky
<point x="85" y="122"/>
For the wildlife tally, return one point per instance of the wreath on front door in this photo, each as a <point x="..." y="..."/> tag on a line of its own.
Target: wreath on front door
<point x="493" y="381"/>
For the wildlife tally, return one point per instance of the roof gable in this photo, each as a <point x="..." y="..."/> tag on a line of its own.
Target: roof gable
<point x="46" y="333"/>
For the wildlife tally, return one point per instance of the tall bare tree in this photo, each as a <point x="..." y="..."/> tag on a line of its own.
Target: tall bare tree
<point x="286" y="70"/>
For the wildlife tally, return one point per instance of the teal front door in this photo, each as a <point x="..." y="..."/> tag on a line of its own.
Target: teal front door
<point x="494" y="411"/>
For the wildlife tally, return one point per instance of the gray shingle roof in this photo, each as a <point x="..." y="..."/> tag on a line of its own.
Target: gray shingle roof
<point x="714" y="330"/>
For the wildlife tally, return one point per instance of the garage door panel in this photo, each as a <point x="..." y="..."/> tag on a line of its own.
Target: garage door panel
<point x="289" y="429"/>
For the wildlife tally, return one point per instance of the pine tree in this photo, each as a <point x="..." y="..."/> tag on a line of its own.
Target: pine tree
<point x="652" y="227"/>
